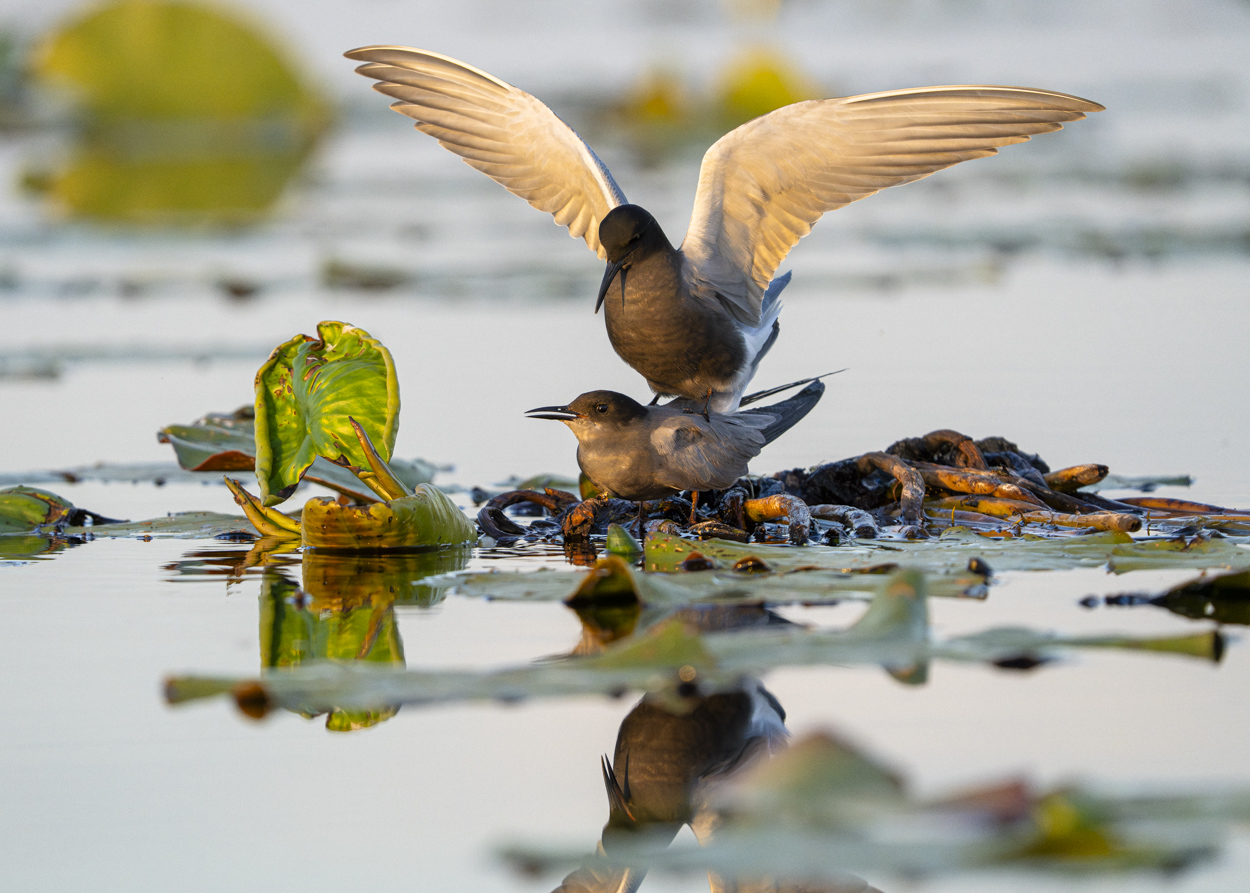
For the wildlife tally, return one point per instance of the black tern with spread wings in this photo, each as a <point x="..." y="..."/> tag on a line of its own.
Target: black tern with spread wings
<point x="696" y="320"/>
<point x="641" y="452"/>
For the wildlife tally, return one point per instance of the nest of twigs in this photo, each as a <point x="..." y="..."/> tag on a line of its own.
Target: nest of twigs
<point x="914" y="489"/>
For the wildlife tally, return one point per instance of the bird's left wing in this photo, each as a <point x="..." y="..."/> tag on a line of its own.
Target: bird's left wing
<point x="702" y="455"/>
<point x="763" y="185"/>
<point x="504" y="132"/>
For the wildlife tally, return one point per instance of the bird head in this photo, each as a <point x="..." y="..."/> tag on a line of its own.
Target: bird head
<point x="625" y="230"/>
<point x="593" y="409"/>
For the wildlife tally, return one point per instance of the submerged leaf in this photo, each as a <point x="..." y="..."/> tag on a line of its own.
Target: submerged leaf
<point x="308" y="391"/>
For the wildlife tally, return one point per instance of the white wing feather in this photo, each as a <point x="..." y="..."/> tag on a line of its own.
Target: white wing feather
<point x="763" y="185"/>
<point x="504" y="132"/>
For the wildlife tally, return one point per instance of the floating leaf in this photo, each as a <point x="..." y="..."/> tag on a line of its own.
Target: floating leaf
<point x="724" y="586"/>
<point x="821" y="809"/>
<point x="427" y="518"/>
<point x="892" y="633"/>
<point x="951" y="552"/>
<point x="25" y="508"/>
<point x="621" y="542"/>
<point x="181" y="525"/>
<point x="306" y="394"/>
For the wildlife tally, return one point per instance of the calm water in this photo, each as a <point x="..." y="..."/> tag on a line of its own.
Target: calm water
<point x="985" y="299"/>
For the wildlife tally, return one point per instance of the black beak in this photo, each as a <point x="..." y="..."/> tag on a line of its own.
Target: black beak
<point x="613" y="269"/>
<point x="558" y="413"/>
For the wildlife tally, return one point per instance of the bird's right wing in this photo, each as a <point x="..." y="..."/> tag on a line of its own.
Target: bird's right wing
<point x="504" y="132"/>
<point x="702" y="455"/>
<point x="763" y="186"/>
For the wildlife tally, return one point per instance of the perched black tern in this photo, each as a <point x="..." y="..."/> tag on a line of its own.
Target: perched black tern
<point x="641" y="452"/>
<point x="696" y="320"/>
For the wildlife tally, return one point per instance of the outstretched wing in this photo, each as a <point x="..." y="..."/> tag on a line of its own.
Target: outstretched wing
<point x="504" y="132"/>
<point x="763" y="185"/>
<point x="700" y="455"/>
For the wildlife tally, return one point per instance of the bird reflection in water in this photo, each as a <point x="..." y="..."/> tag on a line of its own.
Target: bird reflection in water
<point x="672" y="755"/>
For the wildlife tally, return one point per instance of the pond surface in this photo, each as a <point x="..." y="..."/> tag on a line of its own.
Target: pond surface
<point x="1055" y="296"/>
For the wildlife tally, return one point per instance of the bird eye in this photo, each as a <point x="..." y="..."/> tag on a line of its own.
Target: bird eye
<point x="601" y="407"/>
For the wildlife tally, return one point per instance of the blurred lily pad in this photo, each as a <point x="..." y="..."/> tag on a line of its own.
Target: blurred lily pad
<point x="893" y="633"/>
<point x="186" y="114"/>
<point x="823" y="808"/>
<point x="723" y="586"/>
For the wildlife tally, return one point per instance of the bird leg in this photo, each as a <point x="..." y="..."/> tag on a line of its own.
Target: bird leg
<point x="654" y="400"/>
<point x="694" y="506"/>
<point x="707" y="406"/>
<point x="642" y="536"/>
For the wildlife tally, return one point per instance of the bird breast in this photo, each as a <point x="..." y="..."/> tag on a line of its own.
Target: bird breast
<point x="682" y="345"/>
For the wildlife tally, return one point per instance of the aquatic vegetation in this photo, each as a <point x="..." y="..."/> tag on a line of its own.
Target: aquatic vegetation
<point x="332" y="397"/>
<point x="227" y="442"/>
<point x="186" y="115"/>
<point x="823" y="808"/>
<point x="667" y="657"/>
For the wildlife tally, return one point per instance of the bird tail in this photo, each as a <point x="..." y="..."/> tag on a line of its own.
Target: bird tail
<point x="760" y="395"/>
<point x="790" y="412"/>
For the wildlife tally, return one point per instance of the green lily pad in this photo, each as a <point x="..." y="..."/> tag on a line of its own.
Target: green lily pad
<point x="425" y="519"/>
<point x="25" y="508"/>
<point x="180" y="525"/>
<point x="306" y="393"/>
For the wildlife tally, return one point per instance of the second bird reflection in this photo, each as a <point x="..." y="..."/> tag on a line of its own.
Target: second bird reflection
<point x="671" y="757"/>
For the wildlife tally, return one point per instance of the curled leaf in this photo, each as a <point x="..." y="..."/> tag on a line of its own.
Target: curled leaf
<point x="307" y="393"/>
<point x="426" y="518"/>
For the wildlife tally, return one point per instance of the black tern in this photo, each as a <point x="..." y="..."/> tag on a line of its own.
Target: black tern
<point x="641" y="452"/>
<point x="696" y="320"/>
<point x="667" y="765"/>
